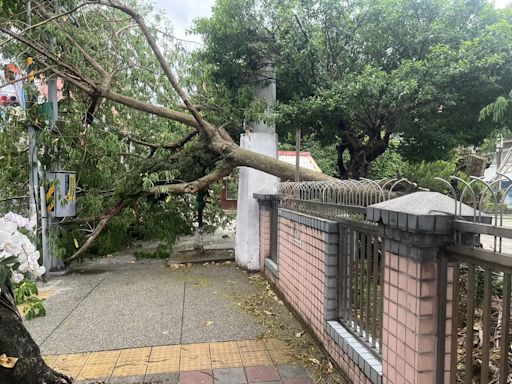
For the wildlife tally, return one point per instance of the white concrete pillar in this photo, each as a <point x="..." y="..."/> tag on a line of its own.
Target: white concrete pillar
<point x="260" y="137"/>
<point x="247" y="242"/>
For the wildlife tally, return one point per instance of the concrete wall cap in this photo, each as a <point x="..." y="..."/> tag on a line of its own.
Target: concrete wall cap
<point x="423" y="212"/>
<point x="266" y="194"/>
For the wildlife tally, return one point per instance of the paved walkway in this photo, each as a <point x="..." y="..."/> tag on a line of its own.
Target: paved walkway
<point x="121" y="320"/>
<point x="231" y="362"/>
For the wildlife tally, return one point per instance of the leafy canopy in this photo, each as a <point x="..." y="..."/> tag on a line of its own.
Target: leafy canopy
<point x="358" y="72"/>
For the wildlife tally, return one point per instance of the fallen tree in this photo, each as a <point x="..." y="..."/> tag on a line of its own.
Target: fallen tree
<point x="89" y="76"/>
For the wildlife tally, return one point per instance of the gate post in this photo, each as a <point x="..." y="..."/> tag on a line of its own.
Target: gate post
<point x="268" y="202"/>
<point x="417" y="286"/>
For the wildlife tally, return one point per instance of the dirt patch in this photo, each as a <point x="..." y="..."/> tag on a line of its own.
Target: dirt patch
<point x="280" y="323"/>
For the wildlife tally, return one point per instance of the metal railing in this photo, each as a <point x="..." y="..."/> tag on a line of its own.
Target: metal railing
<point x="335" y="199"/>
<point x="481" y="264"/>
<point x="360" y="257"/>
<point x="360" y="282"/>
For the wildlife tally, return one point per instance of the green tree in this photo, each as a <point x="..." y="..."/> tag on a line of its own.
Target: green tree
<point x="357" y="73"/>
<point x="141" y="145"/>
<point x="500" y="111"/>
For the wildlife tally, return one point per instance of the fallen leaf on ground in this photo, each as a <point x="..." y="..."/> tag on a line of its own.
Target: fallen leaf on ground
<point x="299" y="334"/>
<point x="314" y="361"/>
<point x="268" y="312"/>
<point x="7" y="362"/>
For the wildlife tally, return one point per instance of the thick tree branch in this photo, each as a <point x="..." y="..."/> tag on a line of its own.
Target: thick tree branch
<point x="204" y="128"/>
<point x="170" y="146"/>
<point x="179" y="188"/>
<point x="217" y="140"/>
<point x="193" y="186"/>
<point x="118" y="207"/>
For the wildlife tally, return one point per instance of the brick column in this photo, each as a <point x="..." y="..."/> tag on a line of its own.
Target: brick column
<point x="417" y="292"/>
<point x="265" y="200"/>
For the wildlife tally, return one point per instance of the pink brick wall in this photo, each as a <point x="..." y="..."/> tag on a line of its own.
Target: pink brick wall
<point x="409" y="321"/>
<point x="302" y="282"/>
<point x="410" y="302"/>
<point x="264" y="234"/>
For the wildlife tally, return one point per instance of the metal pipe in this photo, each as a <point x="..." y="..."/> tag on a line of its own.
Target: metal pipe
<point x="297" y="155"/>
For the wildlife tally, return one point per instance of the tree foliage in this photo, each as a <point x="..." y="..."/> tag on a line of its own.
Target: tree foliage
<point x="357" y="73"/>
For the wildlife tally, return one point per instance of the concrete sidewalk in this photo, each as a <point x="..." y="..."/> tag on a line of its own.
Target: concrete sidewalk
<point x="119" y="302"/>
<point x="122" y="320"/>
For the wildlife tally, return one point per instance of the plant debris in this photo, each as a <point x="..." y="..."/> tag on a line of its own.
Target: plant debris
<point x="278" y="322"/>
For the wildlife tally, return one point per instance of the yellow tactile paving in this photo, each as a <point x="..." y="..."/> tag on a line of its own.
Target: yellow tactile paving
<point x="134" y="355"/>
<point x="195" y="357"/>
<point x="103" y="357"/>
<point x="50" y="359"/>
<point x="225" y="355"/>
<point x="97" y="371"/>
<point x="171" y="358"/>
<point x="251" y="346"/>
<point x="70" y="364"/>
<point x="130" y="369"/>
<point x="163" y="367"/>
<point x="164" y="359"/>
<point x="255" y="358"/>
<point x="226" y="360"/>
<point x="164" y="352"/>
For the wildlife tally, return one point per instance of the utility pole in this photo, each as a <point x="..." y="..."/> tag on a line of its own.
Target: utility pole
<point x="32" y="147"/>
<point x="36" y="172"/>
<point x="53" y="263"/>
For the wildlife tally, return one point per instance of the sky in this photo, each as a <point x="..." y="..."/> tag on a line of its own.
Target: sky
<point x="182" y="12"/>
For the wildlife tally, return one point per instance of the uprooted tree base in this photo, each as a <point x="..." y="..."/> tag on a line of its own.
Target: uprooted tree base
<point x="15" y="341"/>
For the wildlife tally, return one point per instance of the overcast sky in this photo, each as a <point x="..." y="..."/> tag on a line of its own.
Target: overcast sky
<point x="182" y="12"/>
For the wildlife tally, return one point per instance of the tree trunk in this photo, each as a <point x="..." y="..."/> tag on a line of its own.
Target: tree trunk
<point x="15" y="341"/>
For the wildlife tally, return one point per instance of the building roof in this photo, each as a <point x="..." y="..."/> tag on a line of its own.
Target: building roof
<point x="305" y="159"/>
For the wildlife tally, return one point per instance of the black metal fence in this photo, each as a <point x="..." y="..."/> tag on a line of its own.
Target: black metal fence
<point x="481" y="264"/>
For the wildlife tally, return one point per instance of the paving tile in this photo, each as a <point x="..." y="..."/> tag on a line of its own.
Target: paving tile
<point x="196" y="377"/>
<point x="71" y="364"/>
<point x="256" y="358"/>
<point x="130" y="369"/>
<point x="50" y="359"/>
<point x="224" y="347"/>
<point x="229" y="376"/>
<point x="226" y="360"/>
<point x="103" y="357"/>
<point x="167" y="366"/>
<point x="195" y="357"/>
<point x="134" y="355"/>
<point x="98" y="372"/>
<point x="261" y="373"/>
<point x="138" y="379"/>
<point x="287" y="372"/>
<point x="298" y="381"/>
<point x="167" y="378"/>
<point x="165" y="352"/>
<point x="270" y="382"/>
<point x="251" y="346"/>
